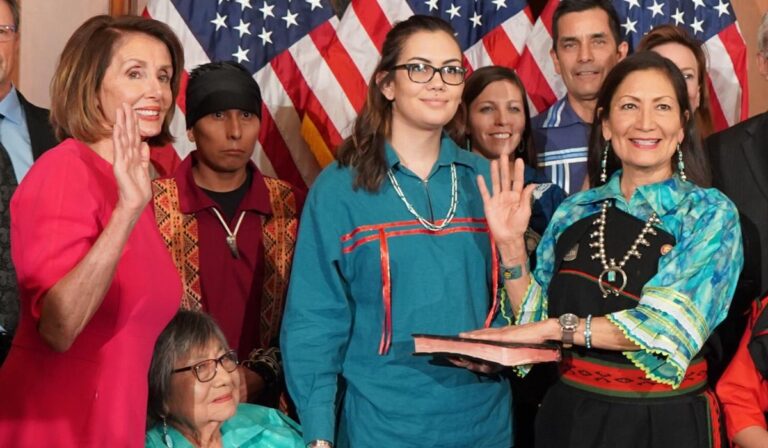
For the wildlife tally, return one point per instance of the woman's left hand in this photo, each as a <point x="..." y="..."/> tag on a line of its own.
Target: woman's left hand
<point x="533" y="333"/>
<point x="131" y="162"/>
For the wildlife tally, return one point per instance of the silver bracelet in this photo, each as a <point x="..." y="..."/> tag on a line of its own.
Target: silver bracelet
<point x="588" y="332"/>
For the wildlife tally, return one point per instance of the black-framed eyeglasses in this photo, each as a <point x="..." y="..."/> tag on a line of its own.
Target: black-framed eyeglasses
<point x="421" y="73"/>
<point x="7" y="32"/>
<point x="206" y="370"/>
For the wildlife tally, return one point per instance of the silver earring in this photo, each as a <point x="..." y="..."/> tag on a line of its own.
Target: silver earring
<point x="680" y="163"/>
<point x="166" y="437"/>
<point x="604" y="163"/>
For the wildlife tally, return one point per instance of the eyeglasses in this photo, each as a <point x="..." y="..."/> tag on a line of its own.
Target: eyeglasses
<point x="7" y="32"/>
<point x="420" y="73"/>
<point x="206" y="370"/>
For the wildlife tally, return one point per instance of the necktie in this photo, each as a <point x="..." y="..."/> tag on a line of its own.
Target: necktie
<point x="9" y="302"/>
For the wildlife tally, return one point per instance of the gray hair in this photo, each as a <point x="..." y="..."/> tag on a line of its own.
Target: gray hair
<point x="762" y="35"/>
<point x="188" y="331"/>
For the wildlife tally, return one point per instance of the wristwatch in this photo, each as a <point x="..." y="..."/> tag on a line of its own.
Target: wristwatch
<point x="319" y="444"/>
<point x="568" y="324"/>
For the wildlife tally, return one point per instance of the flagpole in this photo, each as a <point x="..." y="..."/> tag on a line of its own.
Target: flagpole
<point x="122" y="7"/>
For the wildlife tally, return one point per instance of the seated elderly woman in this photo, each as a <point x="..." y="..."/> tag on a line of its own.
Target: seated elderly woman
<point x="194" y="392"/>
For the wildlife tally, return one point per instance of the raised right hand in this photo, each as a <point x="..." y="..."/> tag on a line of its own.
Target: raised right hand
<point x="131" y="162"/>
<point x="508" y="207"/>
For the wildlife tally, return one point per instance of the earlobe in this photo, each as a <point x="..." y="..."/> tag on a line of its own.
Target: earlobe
<point x="623" y="50"/>
<point x="385" y="85"/>
<point x="555" y="60"/>
<point x="190" y="135"/>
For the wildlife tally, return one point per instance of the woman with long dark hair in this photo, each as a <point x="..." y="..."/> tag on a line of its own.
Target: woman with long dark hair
<point x="632" y="275"/>
<point x="393" y="242"/>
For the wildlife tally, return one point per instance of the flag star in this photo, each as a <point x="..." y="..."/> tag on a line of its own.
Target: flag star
<point x="655" y="9"/>
<point x="290" y="19"/>
<point x="244" y="4"/>
<point x="632" y="3"/>
<point x="696" y="26"/>
<point x="241" y="54"/>
<point x="220" y="21"/>
<point x="678" y="16"/>
<point x="722" y="8"/>
<point x="243" y="28"/>
<point x="432" y="4"/>
<point x="266" y="10"/>
<point x="475" y="19"/>
<point x="315" y="4"/>
<point x="500" y="4"/>
<point x="222" y="1"/>
<point x="265" y="36"/>
<point x="629" y="27"/>
<point x="698" y="3"/>
<point x="453" y="10"/>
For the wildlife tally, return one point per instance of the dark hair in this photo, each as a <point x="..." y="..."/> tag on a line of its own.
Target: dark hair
<point x="695" y="166"/>
<point x="364" y="149"/>
<point x="86" y="56"/>
<point x="666" y="34"/>
<point x="474" y="86"/>
<point x="570" y="6"/>
<point x="186" y="332"/>
<point x="14" y="6"/>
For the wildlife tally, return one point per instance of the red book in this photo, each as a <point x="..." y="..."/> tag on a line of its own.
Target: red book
<point x="508" y="354"/>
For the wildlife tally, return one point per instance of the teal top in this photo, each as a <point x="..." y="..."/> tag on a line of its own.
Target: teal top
<point x="692" y="290"/>
<point x="353" y="247"/>
<point x="251" y="427"/>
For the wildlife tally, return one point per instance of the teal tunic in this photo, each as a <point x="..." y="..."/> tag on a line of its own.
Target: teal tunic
<point x="689" y="295"/>
<point x="251" y="427"/>
<point x="352" y="244"/>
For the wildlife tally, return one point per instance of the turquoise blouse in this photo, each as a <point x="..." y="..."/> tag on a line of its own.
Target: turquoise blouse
<point x="692" y="290"/>
<point x="251" y="427"/>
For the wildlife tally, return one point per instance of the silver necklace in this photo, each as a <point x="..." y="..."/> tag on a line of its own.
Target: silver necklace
<point x="451" y="210"/>
<point x="610" y="267"/>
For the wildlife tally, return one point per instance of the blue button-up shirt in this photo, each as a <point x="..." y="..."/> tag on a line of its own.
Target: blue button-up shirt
<point x="561" y="139"/>
<point x="14" y="134"/>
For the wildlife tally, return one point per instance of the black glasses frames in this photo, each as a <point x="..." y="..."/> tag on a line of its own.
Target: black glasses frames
<point x="422" y="73"/>
<point x="206" y="370"/>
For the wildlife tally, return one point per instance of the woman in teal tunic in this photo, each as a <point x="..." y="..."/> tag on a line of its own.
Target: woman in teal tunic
<point x="393" y="242"/>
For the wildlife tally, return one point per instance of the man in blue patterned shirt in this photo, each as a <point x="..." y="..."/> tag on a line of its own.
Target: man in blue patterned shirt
<point x="586" y="44"/>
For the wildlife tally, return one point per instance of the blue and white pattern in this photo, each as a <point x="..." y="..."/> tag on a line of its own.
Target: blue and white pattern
<point x="692" y="290"/>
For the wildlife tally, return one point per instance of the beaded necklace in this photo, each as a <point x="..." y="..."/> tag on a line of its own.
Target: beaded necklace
<point x="451" y="210"/>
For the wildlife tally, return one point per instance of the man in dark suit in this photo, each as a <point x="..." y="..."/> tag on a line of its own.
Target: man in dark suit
<point x="24" y="135"/>
<point x="739" y="159"/>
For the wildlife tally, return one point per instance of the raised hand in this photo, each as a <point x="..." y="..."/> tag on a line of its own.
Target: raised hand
<point x="508" y="207"/>
<point x="131" y="162"/>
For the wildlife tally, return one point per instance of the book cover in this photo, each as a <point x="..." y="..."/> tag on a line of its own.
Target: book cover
<point x="508" y="354"/>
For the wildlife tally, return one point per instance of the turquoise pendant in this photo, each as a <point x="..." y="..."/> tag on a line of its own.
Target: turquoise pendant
<point x="611" y="276"/>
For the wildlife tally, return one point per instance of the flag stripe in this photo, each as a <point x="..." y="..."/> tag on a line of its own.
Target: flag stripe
<point x="341" y="64"/>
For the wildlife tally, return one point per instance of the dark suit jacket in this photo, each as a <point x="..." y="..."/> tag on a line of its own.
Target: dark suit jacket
<point x="41" y="138"/>
<point x="739" y="159"/>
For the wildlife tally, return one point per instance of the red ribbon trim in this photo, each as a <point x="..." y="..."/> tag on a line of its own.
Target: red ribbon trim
<point x="386" y="294"/>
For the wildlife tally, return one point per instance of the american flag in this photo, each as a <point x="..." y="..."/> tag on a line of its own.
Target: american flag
<point x="313" y="68"/>
<point x="712" y="22"/>
<point x="282" y="44"/>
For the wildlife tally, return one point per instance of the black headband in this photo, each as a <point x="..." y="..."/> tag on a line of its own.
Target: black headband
<point x="219" y="90"/>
